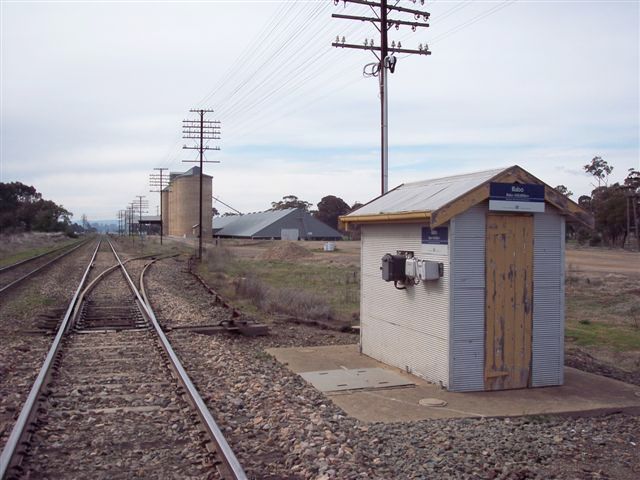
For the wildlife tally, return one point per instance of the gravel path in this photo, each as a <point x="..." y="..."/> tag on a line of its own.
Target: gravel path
<point x="281" y="427"/>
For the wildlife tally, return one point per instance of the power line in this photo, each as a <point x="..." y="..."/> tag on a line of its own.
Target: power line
<point x="201" y="130"/>
<point x="386" y="60"/>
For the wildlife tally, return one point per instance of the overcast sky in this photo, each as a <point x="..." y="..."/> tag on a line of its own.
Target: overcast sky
<point x="93" y="95"/>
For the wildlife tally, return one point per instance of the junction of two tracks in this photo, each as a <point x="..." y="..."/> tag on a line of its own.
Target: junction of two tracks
<point x="110" y="365"/>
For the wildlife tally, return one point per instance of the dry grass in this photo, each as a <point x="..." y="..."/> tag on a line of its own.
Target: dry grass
<point x="287" y="287"/>
<point x="20" y="246"/>
<point x="299" y="303"/>
<point x="603" y="318"/>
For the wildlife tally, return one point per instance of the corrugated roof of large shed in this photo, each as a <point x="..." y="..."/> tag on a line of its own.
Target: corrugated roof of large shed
<point x="250" y="224"/>
<point x="426" y="195"/>
<point x="221" y="222"/>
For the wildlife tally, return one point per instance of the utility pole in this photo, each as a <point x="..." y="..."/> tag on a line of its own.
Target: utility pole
<point x="157" y="180"/>
<point x="141" y="206"/>
<point x="202" y="130"/>
<point x="386" y="60"/>
<point x="121" y="221"/>
<point x="131" y="208"/>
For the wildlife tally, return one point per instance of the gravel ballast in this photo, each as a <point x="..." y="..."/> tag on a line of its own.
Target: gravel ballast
<point x="23" y="346"/>
<point x="281" y="427"/>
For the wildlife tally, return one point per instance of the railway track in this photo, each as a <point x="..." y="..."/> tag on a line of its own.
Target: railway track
<point x="12" y="275"/>
<point x="112" y="399"/>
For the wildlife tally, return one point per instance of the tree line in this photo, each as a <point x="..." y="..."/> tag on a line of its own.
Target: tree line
<point x="22" y="209"/>
<point x="615" y="208"/>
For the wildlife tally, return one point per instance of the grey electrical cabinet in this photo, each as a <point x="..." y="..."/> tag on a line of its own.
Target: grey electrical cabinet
<point x="393" y="268"/>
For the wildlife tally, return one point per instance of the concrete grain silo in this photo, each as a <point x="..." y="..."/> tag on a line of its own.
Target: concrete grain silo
<point x="183" y="205"/>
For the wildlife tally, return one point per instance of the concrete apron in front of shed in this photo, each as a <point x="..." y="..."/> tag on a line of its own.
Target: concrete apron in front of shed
<point x="508" y="302"/>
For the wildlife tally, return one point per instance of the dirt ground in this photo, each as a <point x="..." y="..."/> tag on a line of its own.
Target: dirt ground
<point x="600" y="260"/>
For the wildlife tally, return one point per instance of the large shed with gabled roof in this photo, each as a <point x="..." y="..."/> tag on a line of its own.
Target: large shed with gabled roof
<point x="287" y="224"/>
<point x="477" y="262"/>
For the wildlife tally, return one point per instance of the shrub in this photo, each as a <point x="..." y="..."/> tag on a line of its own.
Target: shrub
<point x="299" y="303"/>
<point x="595" y="241"/>
<point x="253" y="289"/>
<point x="217" y="259"/>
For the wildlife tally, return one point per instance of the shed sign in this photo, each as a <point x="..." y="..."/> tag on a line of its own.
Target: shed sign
<point x="516" y="197"/>
<point x="435" y="240"/>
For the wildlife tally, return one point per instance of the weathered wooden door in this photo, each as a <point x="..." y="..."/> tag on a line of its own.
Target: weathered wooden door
<point x="509" y="300"/>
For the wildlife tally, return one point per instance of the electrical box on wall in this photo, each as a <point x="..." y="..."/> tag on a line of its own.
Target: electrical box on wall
<point x="428" y="270"/>
<point x="411" y="267"/>
<point x="393" y="268"/>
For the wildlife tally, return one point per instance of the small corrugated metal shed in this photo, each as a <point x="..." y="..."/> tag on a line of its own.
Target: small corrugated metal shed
<point x="494" y="319"/>
<point x="270" y="224"/>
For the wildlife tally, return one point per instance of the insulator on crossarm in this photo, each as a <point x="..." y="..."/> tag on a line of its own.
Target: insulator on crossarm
<point x="337" y="38"/>
<point x="399" y="44"/>
<point x="366" y="42"/>
<point x="372" y="42"/>
<point x="420" y="47"/>
<point x="343" y="39"/>
<point x="393" y="44"/>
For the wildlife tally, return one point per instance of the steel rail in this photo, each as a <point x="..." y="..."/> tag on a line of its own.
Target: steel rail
<point x="224" y="450"/>
<point x="28" y="411"/>
<point x="55" y="259"/>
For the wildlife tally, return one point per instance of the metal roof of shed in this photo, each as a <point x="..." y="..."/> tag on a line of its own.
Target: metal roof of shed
<point x="221" y="222"/>
<point x="149" y="219"/>
<point x="437" y="201"/>
<point x="250" y="224"/>
<point x="271" y="223"/>
<point x="427" y="195"/>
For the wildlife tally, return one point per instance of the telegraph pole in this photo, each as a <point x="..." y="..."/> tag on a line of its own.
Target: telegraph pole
<point x="385" y="61"/>
<point x="157" y="180"/>
<point x="121" y="222"/>
<point x="201" y="130"/>
<point x="131" y="208"/>
<point x="141" y="205"/>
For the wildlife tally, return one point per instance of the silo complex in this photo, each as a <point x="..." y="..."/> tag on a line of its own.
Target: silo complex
<point x="180" y="204"/>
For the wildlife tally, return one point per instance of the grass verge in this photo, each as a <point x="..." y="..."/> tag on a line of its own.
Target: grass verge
<point x="303" y="290"/>
<point x="32" y="252"/>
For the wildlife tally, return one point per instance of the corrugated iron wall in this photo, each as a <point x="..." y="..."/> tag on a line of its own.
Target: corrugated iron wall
<point x="467" y="250"/>
<point x="548" y="299"/>
<point x="412" y="328"/>
<point x="404" y="328"/>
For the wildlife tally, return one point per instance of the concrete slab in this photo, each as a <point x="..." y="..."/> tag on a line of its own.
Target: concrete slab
<point x="354" y="379"/>
<point x="582" y="394"/>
